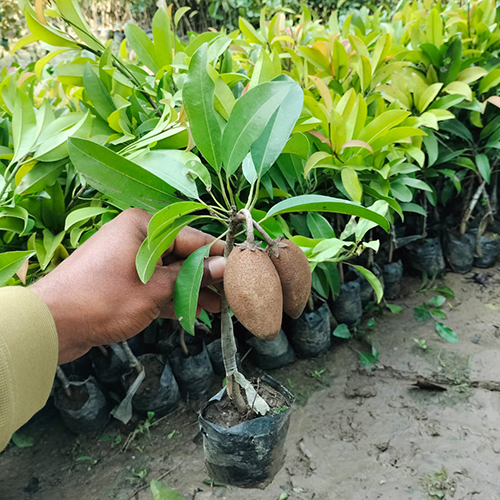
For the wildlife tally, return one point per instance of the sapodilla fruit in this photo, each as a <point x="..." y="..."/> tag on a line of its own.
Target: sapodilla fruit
<point x="295" y="276"/>
<point x="253" y="291"/>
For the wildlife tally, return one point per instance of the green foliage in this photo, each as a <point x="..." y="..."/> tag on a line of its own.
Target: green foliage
<point x="372" y="116"/>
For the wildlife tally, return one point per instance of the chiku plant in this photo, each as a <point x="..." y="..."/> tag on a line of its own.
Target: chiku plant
<point x="238" y="152"/>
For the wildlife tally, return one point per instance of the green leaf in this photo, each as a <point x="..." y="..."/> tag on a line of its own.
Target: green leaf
<point x="266" y="149"/>
<point x="10" y="263"/>
<point x="382" y="124"/>
<point x="437" y="301"/>
<point x="342" y="332"/>
<point x="23" y="125"/>
<point x="163" y="37"/>
<point x="198" y="99"/>
<point x="492" y="79"/>
<point x="483" y="166"/>
<point x="395" y="309"/>
<point x="187" y="288"/>
<point x="446" y="292"/>
<point x="205" y="318"/>
<point x="42" y="175"/>
<point x="446" y="333"/>
<point x="421" y="313"/>
<point x="351" y="184"/>
<point x="431" y="146"/>
<point x="98" y="93"/>
<point x="438" y="314"/>
<point x="250" y="117"/>
<point x="164" y="218"/>
<point x="142" y="46"/>
<point x="119" y="178"/>
<point x="162" y="492"/>
<point x="372" y="279"/>
<point x="319" y="227"/>
<point x="319" y="203"/>
<point x="167" y="166"/>
<point x="83" y="214"/>
<point x="154" y="247"/>
<point x="367" y="359"/>
<point x="434" y="29"/>
<point x="22" y="440"/>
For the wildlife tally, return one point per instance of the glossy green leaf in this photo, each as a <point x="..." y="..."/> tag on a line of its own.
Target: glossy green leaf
<point x="198" y="98"/>
<point x="39" y="177"/>
<point x="23" y="125"/>
<point x="83" y="214"/>
<point x="153" y="248"/>
<point x="165" y="217"/>
<point x="319" y="227"/>
<point x="446" y="333"/>
<point x="118" y="177"/>
<point x="483" y="166"/>
<point x="10" y="263"/>
<point x="98" y="93"/>
<point x="342" y="332"/>
<point x="163" y="37"/>
<point x="142" y="46"/>
<point x="351" y="184"/>
<point x="266" y="149"/>
<point x="250" y="117"/>
<point x="492" y="79"/>
<point x="372" y="279"/>
<point x="187" y="288"/>
<point x="319" y="203"/>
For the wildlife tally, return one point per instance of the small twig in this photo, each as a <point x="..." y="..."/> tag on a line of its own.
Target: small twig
<point x="103" y="350"/>
<point x="264" y="234"/>
<point x="341" y="273"/>
<point x="133" y="361"/>
<point x="249" y="225"/>
<point x="472" y="205"/>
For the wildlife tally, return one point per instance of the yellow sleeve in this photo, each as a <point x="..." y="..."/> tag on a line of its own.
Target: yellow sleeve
<point x="28" y="358"/>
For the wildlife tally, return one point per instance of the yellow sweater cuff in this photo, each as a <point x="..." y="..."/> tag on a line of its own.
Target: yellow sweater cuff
<point x="28" y="357"/>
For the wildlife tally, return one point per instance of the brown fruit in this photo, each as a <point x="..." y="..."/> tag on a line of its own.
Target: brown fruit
<point x="295" y="275"/>
<point x="253" y="291"/>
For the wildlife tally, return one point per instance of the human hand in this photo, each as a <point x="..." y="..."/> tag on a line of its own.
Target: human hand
<point x="96" y="296"/>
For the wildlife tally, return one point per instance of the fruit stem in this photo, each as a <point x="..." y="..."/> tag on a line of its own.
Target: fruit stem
<point x="249" y="225"/>
<point x="228" y="342"/>
<point x="264" y="235"/>
<point x="133" y="361"/>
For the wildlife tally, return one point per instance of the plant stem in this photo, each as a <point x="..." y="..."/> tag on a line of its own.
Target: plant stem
<point x="470" y="209"/>
<point x="64" y="381"/>
<point x="249" y="225"/>
<point x="264" y="234"/>
<point x="227" y="335"/>
<point x="11" y="176"/>
<point x="182" y="342"/>
<point x="133" y="361"/>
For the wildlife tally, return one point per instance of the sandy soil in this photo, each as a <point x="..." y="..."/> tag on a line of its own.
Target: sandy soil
<point x="356" y="433"/>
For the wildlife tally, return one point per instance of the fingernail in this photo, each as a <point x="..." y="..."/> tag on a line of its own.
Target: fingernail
<point x="217" y="266"/>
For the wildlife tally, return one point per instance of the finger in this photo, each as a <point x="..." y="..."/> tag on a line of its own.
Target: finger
<point x="135" y="217"/>
<point x="209" y="300"/>
<point x="162" y="284"/>
<point x="190" y="239"/>
<point x="213" y="271"/>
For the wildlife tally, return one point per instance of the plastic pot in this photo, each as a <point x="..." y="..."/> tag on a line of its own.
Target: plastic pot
<point x="110" y="369"/>
<point x="428" y="258"/>
<point x="249" y="454"/>
<point x="392" y="275"/>
<point x="214" y="350"/>
<point x="87" y="410"/>
<point x="159" y="391"/>
<point x="347" y="308"/>
<point x="270" y="355"/>
<point x="490" y="250"/>
<point x="311" y="332"/>
<point x="460" y="249"/>
<point x="194" y="373"/>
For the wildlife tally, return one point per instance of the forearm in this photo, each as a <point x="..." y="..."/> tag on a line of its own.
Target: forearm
<point x="28" y="358"/>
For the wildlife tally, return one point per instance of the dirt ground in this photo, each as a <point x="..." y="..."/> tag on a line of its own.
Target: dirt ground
<point x="356" y="433"/>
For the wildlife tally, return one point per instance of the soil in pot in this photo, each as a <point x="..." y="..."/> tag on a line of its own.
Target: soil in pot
<point x="272" y="354"/>
<point x="428" y="258"/>
<point x="459" y="250"/>
<point x="194" y="373"/>
<point x="159" y="391"/>
<point x="392" y="275"/>
<point x="87" y="410"/>
<point x="347" y="307"/>
<point x="246" y="451"/>
<point x="311" y="333"/>
<point x="214" y="350"/>
<point x="490" y="250"/>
